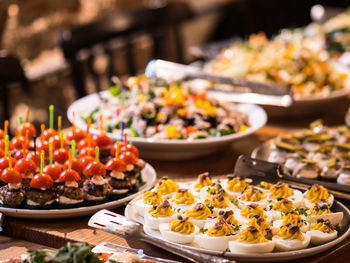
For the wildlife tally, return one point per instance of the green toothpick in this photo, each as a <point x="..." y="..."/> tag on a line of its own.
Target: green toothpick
<point x="61" y="138"/>
<point x="50" y="152"/>
<point x="19" y="125"/>
<point x="42" y="157"/>
<point x="51" y="109"/>
<point x="73" y="149"/>
<point x="97" y="151"/>
<point x="6" y="145"/>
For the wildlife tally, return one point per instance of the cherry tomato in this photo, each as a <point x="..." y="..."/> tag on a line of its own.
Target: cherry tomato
<point x="48" y="133"/>
<point x="75" y="134"/>
<point x="53" y="170"/>
<point x="60" y="155"/>
<point x="44" y="146"/>
<point x="76" y="165"/>
<point x="35" y="157"/>
<point x="56" y="142"/>
<point x="129" y="148"/>
<point x="69" y="175"/>
<point x="2" y="153"/>
<point x="27" y="126"/>
<point x="2" y="145"/>
<point x="18" y="141"/>
<point x="85" y="160"/>
<point x="87" y="151"/>
<point x="128" y="158"/>
<point x="84" y="143"/>
<point x="11" y="176"/>
<point x="20" y="154"/>
<point x="4" y="162"/>
<point x="116" y="165"/>
<point x="102" y="140"/>
<point x="41" y="181"/>
<point x="25" y="166"/>
<point x="94" y="168"/>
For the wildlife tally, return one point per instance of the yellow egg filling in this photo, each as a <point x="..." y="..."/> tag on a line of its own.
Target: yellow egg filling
<point x="317" y="193"/>
<point x="319" y="210"/>
<point x="167" y="186"/>
<point x="252" y="235"/>
<point x="216" y="201"/>
<point x="292" y="218"/>
<point x="152" y="198"/>
<point x="323" y="226"/>
<point x="203" y="180"/>
<point x="252" y="210"/>
<point x="280" y="190"/>
<point x="253" y="194"/>
<point x="265" y="184"/>
<point x="182" y="226"/>
<point x="228" y="217"/>
<point x="183" y="197"/>
<point x="220" y="229"/>
<point x="290" y="231"/>
<point x="237" y="184"/>
<point x="283" y="206"/>
<point x="162" y="210"/>
<point x="199" y="212"/>
<point x="259" y="223"/>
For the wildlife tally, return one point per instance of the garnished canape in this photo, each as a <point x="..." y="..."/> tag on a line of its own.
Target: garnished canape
<point x="11" y="195"/>
<point x="40" y="194"/>
<point x="96" y="188"/>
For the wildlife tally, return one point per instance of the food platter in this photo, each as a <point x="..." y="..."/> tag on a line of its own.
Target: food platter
<point x="174" y="149"/>
<point x="149" y="178"/>
<point x="343" y="232"/>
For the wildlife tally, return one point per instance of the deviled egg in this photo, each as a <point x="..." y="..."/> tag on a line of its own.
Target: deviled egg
<point x="202" y="181"/>
<point x="183" y="200"/>
<point x="323" y="212"/>
<point x="149" y="199"/>
<point x="281" y="190"/>
<point x="250" y="211"/>
<point x="199" y="214"/>
<point x="251" y="240"/>
<point x="162" y="213"/>
<point x="180" y="231"/>
<point x="253" y="195"/>
<point x="235" y="185"/>
<point x="290" y="237"/>
<point x="166" y="187"/>
<point x="317" y="194"/>
<point x="279" y="208"/>
<point x="322" y="232"/>
<point x="218" y="202"/>
<point x="212" y="190"/>
<point x="217" y="237"/>
<point x="293" y="218"/>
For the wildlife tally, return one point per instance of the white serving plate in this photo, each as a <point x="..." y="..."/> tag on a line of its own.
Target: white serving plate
<point x="173" y="149"/>
<point x="149" y="176"/>
<point x="344" y="232"/>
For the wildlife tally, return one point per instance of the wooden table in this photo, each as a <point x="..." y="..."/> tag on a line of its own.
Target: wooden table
<point x="55" y="233"/>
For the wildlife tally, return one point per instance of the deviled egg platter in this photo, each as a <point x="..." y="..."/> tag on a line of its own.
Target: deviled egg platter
<point x="232" y="214"/>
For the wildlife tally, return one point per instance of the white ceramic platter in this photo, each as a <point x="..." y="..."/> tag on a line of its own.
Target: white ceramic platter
<point x="173" y="149"/>
<point x="149" y="177"/>
<point x="344" y="232"/>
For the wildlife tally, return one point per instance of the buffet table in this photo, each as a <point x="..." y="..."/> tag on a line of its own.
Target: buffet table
<point x="55" y="233"/>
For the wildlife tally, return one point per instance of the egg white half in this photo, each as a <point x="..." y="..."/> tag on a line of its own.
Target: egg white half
<point x="177" y="237"/>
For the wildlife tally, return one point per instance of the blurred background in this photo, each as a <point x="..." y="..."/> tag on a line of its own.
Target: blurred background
<point x="56" y="51"/>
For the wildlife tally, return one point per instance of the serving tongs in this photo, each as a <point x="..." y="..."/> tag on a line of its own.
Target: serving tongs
<point x="121" y="226"/>
<point x="254" y="92"/>
<point x="106" y="247"/>
<point x="260" y="170"/>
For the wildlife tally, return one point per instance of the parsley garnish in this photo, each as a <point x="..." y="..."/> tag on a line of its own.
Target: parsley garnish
<point x="203" y="230"/>
<point x="235" y="202"/>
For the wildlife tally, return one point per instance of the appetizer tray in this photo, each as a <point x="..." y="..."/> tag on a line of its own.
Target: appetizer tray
<point x="175" y="148"/>
<point x="340" y="215"/>
<point x="318" y="153"/>
<point x="148" y="176"/>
